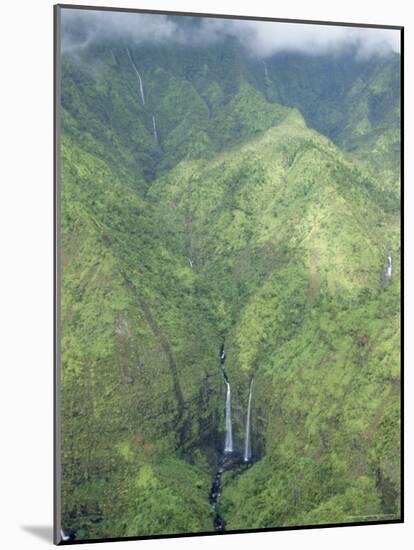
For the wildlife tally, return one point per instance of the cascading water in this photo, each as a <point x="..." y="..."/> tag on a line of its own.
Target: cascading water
<point x="230" y="459"/>
<point x="155" y="131"/>
<point x="226" y="459"/>
<point x="265" y="69"/>
<point x="141" y="86"/>
<point x="247" y="441"/>
<point x="213" y="498"/>
<point x="228" y="444"/>
<point x="222" y="355"/>
<point x="389" y="268"/>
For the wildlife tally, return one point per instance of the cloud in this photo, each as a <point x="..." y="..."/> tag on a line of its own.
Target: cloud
<point x="266" y="38"/>
<point x="81" y="27"/>
<point x="260" y="38"/>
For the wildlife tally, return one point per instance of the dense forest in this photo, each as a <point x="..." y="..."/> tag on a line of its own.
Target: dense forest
<point x="216" y="201"/>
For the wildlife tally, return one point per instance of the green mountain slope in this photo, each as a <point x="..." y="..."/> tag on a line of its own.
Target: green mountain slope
<point x="203" y="101"/>
<point x="291" y="246"/>
<point x="372" y="131"/>
<point x="353" y="101"/>
<point x="240" y="224"/>
<point x="196" y="114"/>
<point x="136" y="353"/>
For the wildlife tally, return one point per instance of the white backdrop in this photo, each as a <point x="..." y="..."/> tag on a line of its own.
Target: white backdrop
<point x="26" y="272"/>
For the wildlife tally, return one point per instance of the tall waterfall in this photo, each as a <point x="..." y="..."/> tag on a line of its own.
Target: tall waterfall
<point x="228" y="445"/>
<point x="265" y="69"/>
<point x="141" y="87"/>
<point x="247" y="440"/>
<point x="155" y="131"/>
<point x="389" y="268"/>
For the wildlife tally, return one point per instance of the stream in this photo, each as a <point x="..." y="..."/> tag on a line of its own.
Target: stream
<point x="266" y="73"/>
<point x="142" y="96"/>
<point x="247" y="440"/>
<point x="141" y="86"/>
<point x="229" y="459"/>
<point x="155" y="131"/>
<point x="389" y="267"/>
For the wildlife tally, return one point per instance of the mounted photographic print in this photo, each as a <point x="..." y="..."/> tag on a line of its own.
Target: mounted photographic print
<point x="228" y="274"/>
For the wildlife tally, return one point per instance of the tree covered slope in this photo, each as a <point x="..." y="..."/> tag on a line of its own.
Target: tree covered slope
<point x="225" y="207"/>
<point x="292" y="247"/>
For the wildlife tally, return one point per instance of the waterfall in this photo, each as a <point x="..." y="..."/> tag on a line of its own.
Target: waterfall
<point x="265" y="69"/>
<point x="63" y="536"/>
<point x="389" y="268"/>
<point x="141" y="87"/>
<point x="222" y="355"/>
<point x="154" y="127"/>
<point x="247" y="441"/>
<point x="228" y="445"/>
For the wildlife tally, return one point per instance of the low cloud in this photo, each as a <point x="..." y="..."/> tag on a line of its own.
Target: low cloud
<point x="260" y="38"/>
<point x="267" y="38"/>
<point x="82" y="27"/>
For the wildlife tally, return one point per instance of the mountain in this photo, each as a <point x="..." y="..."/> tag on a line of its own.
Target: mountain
<point x="210" y="197"/>
<point x="355" y="102"/>
<point x="293" y="255"/>
<point x="198" y="93"/>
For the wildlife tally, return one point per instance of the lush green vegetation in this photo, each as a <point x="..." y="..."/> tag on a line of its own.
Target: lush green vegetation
<point x="264" y="216"/>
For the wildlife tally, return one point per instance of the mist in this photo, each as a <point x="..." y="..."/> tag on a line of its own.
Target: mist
<point x="260" y="38"/>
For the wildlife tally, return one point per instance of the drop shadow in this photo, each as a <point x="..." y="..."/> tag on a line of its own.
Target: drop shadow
<point x="43" y="532"/>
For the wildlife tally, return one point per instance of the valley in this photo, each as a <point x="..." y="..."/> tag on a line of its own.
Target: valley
<point x="230" y="250"/>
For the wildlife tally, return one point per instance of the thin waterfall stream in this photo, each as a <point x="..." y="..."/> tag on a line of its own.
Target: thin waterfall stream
<point x="389" y="268"/>
<point x="228" y="445"/>
<point x="247" y="440"/>
<point x="266" y="73"/>
<point x="141" y="86"/>
<point x="141" y="93"/>
<point x="155" y="131"/>
<point x="386" y="274"/>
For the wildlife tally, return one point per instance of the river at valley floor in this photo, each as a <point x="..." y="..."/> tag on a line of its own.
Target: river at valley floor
<point x="229" y="459"/>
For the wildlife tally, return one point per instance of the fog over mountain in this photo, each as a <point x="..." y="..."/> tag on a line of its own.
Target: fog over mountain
<point x="260" y="38"/>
